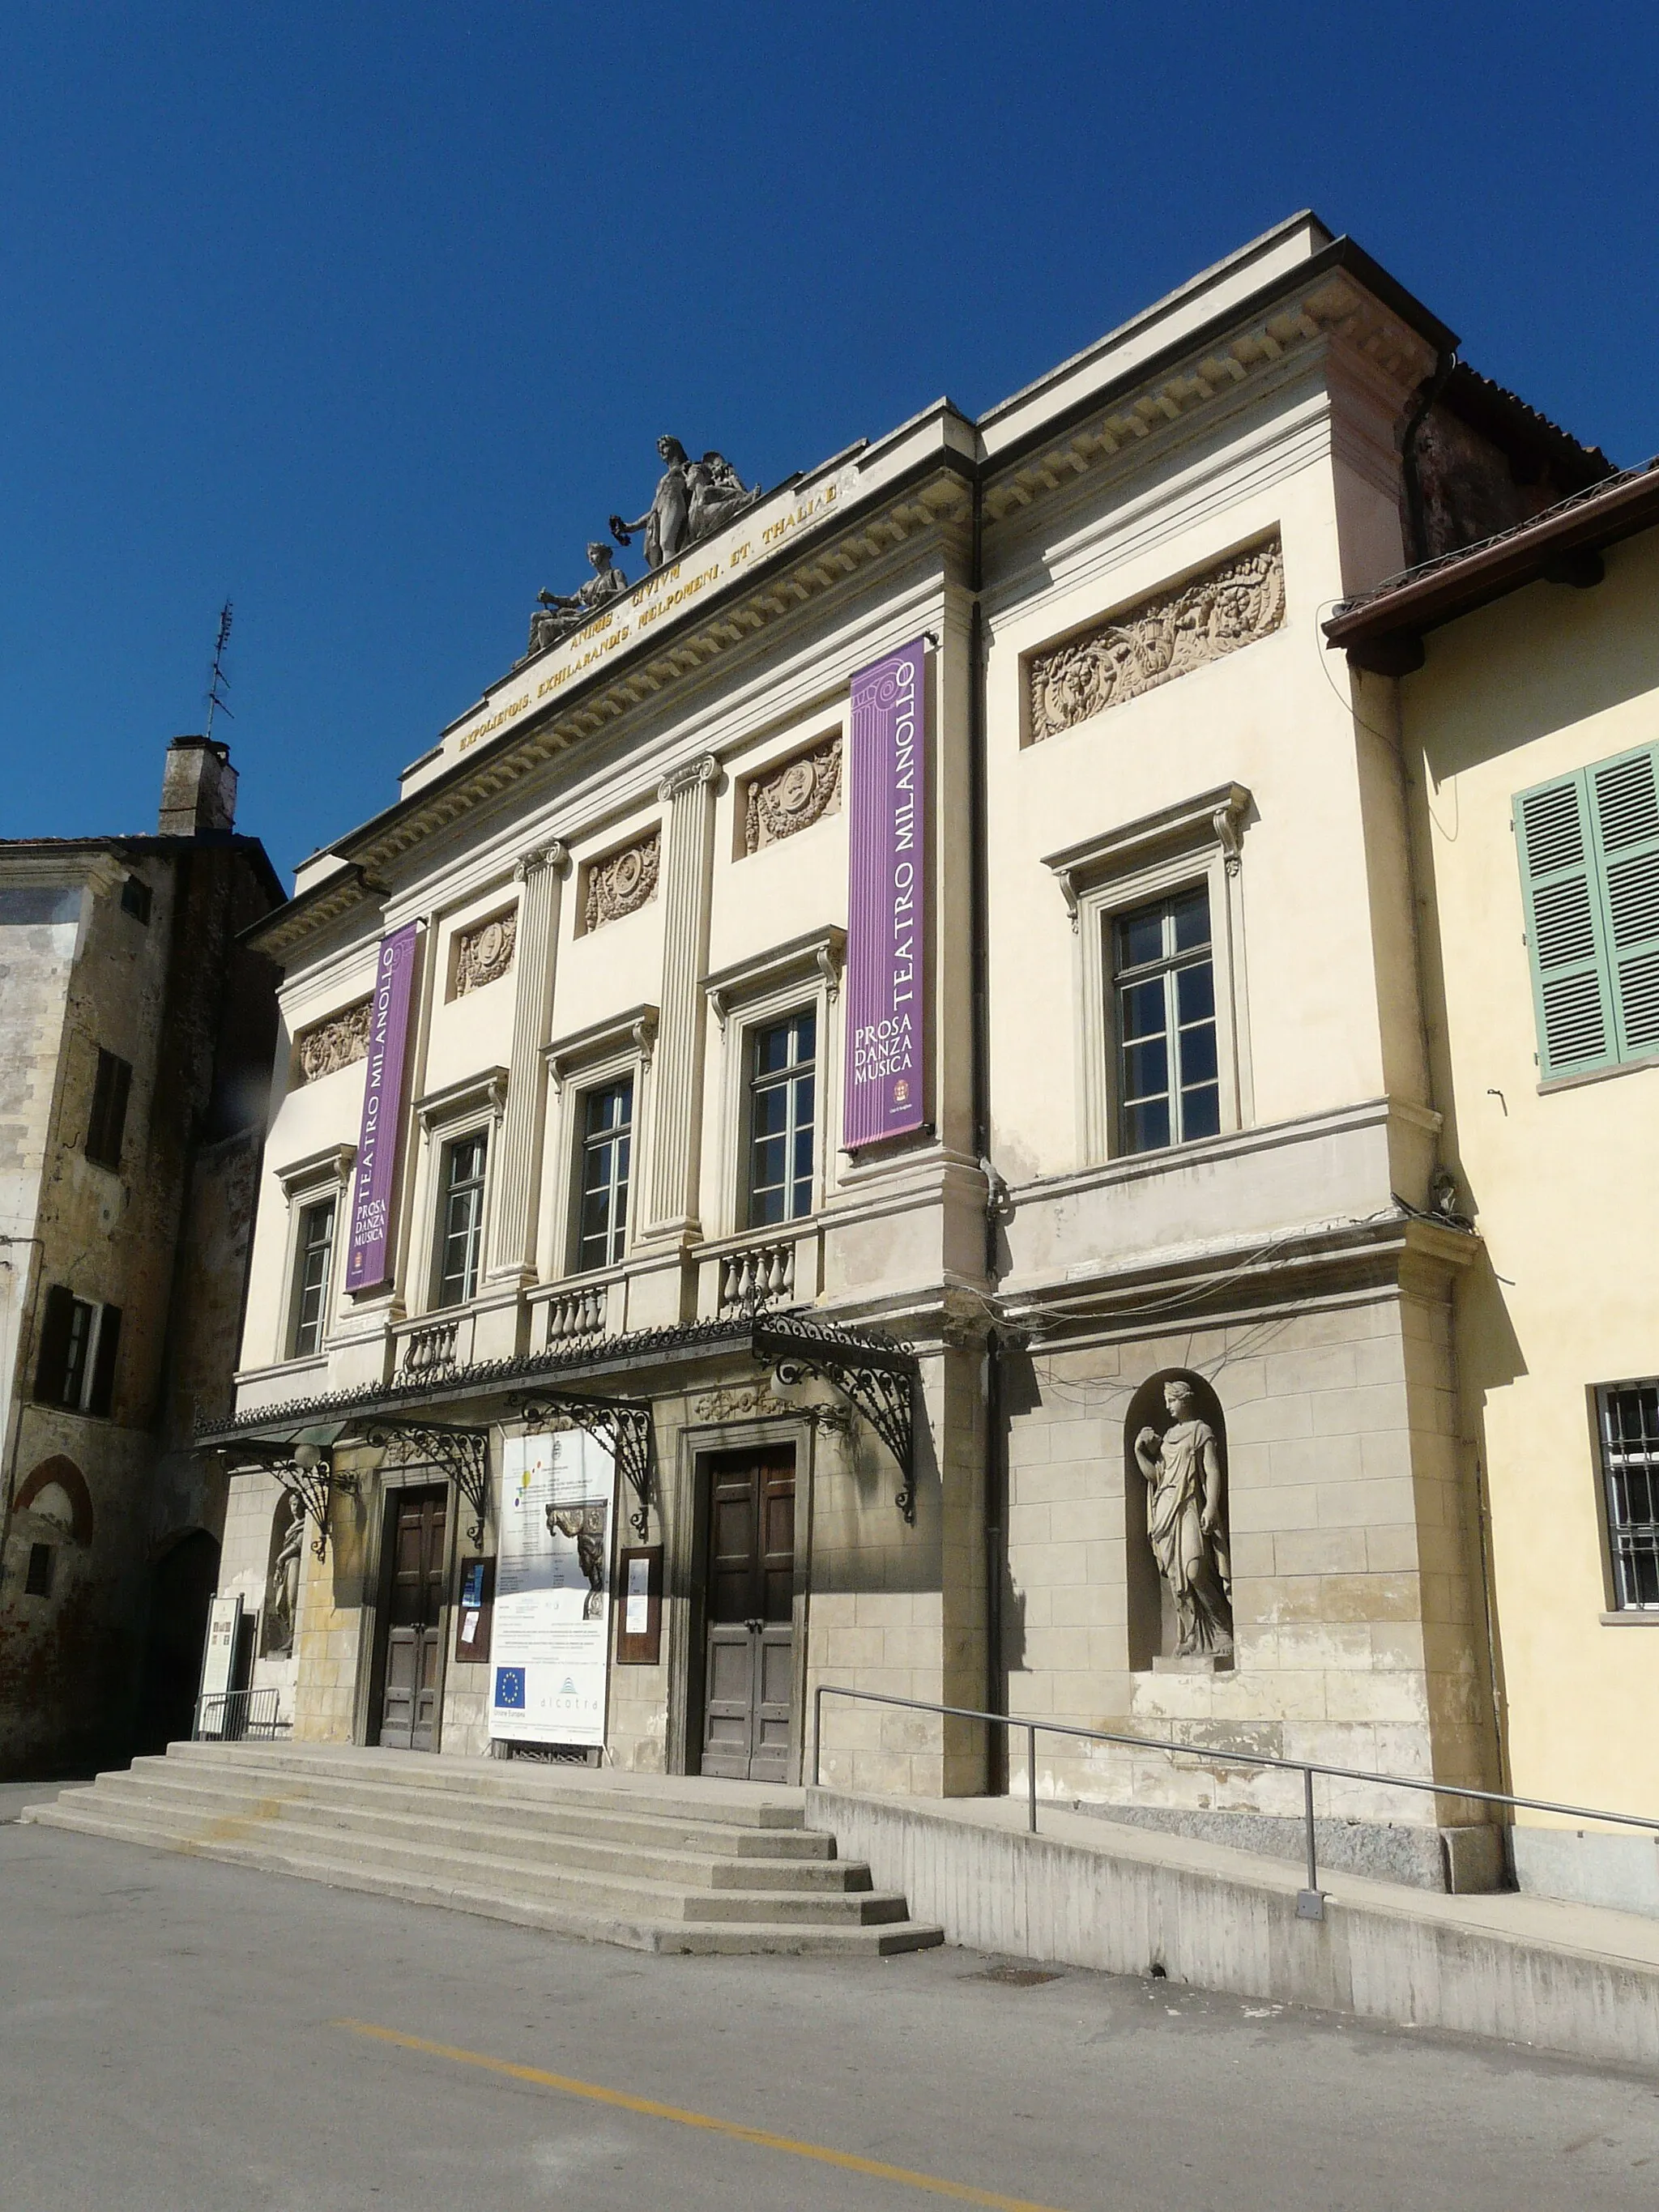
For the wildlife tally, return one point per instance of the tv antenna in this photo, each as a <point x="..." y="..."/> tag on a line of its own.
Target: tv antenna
<point x="219" y="681"/>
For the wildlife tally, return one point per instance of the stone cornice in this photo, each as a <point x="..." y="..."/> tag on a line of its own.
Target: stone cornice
<point x="938" y="501"/>
<point x="1330" y="308"/>
<point x="1336" y="302"/>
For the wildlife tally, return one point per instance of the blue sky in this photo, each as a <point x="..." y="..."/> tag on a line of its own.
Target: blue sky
<point x="367" y="317"/>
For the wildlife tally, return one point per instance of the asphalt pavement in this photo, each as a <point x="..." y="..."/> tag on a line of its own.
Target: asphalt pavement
<point x="182" y="2036"/>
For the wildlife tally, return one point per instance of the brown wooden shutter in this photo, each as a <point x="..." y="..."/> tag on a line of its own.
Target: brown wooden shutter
<point x="51" y="1365"/>
<point x="108" y="1119"/>
<point x="103" y="1370"/>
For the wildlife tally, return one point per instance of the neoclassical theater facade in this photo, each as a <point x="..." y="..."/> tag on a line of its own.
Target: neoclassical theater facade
<point x="968" y="1165"/>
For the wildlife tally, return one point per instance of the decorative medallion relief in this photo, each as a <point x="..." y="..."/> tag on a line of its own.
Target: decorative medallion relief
<point x="484" y="954"/>
<point x="333" y="1045"/>
<point x="793" y="797"/>
<point x="624" y="883"/>
<point x="1164" y="636"/>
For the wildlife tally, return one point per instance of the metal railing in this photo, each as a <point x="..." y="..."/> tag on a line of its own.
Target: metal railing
<point x="1310" y="1899"/>
<point x="229" y="1715"/>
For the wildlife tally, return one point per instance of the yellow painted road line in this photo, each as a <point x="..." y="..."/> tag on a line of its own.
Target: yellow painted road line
<point x="933" y="2183"/>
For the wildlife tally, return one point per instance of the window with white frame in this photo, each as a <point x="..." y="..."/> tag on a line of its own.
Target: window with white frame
<point x="779" y="1079"/>
<point x="606" y="1144"/>
<point x="1163" y="1038"/>
<point x="1628" y="1419"/>
<point x="782" y="1114"/>
<point x="315" y="1190"/>
<point x="460" y="1219"/>
<point x="1168" y="1090"/>
<point x="314" y="1271"/>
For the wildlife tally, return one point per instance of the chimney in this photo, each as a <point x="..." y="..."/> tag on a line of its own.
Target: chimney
<point x="199" y="790"/>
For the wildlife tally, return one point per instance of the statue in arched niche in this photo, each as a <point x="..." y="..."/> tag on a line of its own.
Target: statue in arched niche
<point x="288" y="1531"/>
<point x="1186" y="1521"/>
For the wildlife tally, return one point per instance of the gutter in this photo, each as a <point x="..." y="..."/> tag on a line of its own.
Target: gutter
<point x="1383" y="631"/>
<point x="996" y="1441"/>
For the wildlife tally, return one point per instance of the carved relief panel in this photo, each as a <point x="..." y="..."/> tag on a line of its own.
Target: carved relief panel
<point x="483" y="954"/>
<point x="331" y="1045"/>
<point x="793" y="797"/>
<point x="1161" y="637"/>
<point x="623" y="882"/>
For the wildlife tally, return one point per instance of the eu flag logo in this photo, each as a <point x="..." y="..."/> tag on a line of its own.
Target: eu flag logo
<point x="509" y="1689"/>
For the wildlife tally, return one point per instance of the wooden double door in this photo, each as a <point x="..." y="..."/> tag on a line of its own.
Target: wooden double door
<point x="749" y="1613"/>
<point x="411" y="1615"/>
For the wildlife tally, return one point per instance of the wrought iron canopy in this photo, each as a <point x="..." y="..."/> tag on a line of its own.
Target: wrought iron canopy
<point x="303" y="1463"/>
<point x="622" y="1425"/>
<point x="463" y="1453"/>
<point x="877" y="1377"/>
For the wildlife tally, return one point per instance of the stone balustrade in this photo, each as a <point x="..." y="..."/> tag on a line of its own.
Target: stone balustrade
<point x="576" y="1313"/>
<point x="757" y="1275"/>
<point x="430" y="1349"/>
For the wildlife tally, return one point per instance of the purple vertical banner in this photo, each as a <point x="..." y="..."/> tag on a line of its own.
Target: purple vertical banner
<point x="886" y="990"/>
<point x="370" y="1262"/>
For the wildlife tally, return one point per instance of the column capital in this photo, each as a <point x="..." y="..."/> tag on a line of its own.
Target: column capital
<point x="704" y="768"/>
<point x="553" y="855"/>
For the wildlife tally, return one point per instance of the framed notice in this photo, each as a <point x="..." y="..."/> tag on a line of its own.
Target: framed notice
<point x="639" y="1606"/>
<point x="549" y="1638"/>
<point x="474" y="1612"/>
<point x="219" y="1666"/>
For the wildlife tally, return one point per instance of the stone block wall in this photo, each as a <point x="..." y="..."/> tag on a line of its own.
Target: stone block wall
<point x="898" y="1609"/>
<point x="1356" y="1628"/>
<point x="251" y="1509"/>
<point x="334" y="1617"/>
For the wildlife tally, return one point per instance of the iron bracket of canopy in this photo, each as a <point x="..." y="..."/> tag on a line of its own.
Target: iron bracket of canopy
<point x="462" y="1453"/>
<point x="304" y="1465"/>
<point x="878" y="1378"/>
<point x="622" y="1425"/>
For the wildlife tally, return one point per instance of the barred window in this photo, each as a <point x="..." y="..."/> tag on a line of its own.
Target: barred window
<point x="1630" y="1469"/>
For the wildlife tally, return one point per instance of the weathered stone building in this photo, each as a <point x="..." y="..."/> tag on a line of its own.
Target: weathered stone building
<point x="570" y="1120"/>
<point x="136" y="1032"/>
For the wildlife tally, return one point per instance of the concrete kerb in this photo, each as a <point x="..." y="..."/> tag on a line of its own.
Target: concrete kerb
<point x="1569" y="1978"/>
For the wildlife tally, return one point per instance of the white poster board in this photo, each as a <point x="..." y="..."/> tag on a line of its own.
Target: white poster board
<point x="219" y="1664"/>
<point x="550" y="1638"/>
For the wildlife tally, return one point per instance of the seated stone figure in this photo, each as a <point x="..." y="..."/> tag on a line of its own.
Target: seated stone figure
<point x="719" y="496"/>
<point x="694" y="499"/>
<point x="562" y="615"/>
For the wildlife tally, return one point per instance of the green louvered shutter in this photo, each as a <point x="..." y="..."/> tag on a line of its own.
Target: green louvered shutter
<point x="1625" y="801"/>
<point x="1564" y="930"/>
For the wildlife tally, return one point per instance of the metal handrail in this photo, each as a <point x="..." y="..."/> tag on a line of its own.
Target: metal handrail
<point x="1310" y="1900"/>
<point x="229" y="1716"/>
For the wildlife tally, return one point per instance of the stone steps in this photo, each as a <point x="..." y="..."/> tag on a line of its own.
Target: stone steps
<point x="553" y="1810"/>
<point x="679" y="1857"/>
<point x="674" y="1866"/>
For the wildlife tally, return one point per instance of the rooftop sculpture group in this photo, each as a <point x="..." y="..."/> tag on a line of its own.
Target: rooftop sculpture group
<point x="694" y="500"/>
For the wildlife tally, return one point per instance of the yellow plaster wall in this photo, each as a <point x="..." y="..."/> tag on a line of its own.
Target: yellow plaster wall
<point x="1563" y="1185"/>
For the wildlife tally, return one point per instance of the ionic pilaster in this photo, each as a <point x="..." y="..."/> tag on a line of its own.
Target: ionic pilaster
<point x="518" y="1169"/>
<point x="676" y="1117"/>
